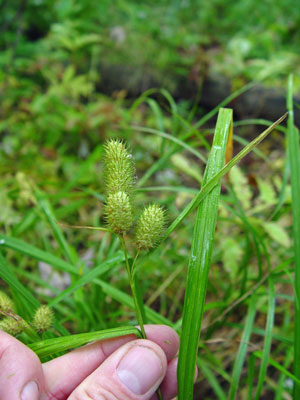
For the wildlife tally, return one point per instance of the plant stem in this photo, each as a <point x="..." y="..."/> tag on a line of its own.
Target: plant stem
<point x="132" y="286"/>
<point x="134" y="262"/>
<point x="131" y="278"/>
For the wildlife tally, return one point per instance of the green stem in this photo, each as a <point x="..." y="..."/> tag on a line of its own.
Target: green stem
<point x="131" y="278"/>
<point x="134" y="262"/>
<point x="132" y="286"/>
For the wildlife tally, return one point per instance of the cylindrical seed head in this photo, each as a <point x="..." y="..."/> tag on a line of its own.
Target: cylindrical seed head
<point x="150" y="227"/>
<point x="6" y="304"/>
<point x="118" y="212"/>
<point x="12" y="326"/>
<point x="119" y="168"/>
<point x="43" y="318"/>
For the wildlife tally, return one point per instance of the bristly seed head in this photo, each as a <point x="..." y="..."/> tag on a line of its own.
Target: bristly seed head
<point x="150" y="227"/>
<point x="118" y="212"/>
<point x="119" y="168"/>
<point x="6" y="304"/>
<point x="43" y="319"/>
<point x="12" y="326"/>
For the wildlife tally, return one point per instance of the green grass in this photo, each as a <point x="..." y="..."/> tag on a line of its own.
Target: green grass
<point x="239" y="287"/>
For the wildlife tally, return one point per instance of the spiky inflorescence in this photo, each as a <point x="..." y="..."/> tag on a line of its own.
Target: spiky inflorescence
<point x="119" y="168"/>
<point x="6" y="304"/>
<point x="150" y="227"/>
<point x="118" y="212"/>
<point x="12" y="326"/>
<point x="43" y="318"/>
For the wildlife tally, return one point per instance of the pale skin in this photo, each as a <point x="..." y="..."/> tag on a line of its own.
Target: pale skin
<point x="123" y="368"/>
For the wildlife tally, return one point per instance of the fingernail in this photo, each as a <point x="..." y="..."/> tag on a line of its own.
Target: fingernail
<point x="140" y="369"/>
<point x="30" y="391"/>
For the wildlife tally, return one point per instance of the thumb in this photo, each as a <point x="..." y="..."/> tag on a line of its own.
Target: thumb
<point x="133" y="372"/>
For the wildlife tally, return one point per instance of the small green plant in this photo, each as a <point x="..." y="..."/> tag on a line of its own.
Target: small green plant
<point x="119" y="178"/>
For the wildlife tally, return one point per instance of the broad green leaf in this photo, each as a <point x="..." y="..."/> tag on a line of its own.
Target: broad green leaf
<point x="199" y="262"/>
<point x="293" y="152"/>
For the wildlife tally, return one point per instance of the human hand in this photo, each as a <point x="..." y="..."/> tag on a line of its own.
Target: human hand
<point x="123" y="368"/>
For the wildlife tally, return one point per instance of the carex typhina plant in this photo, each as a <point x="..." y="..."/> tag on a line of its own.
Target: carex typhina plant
<point x="119" y="182"/>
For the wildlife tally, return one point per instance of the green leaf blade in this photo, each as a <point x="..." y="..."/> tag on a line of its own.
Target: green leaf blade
<point x="200" y="261"/>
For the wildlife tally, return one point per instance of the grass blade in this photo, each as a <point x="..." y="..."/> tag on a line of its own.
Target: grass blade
<point x="29" y="302"/>
<point x="279" y="367"/>
<point x="56" y="345"/>
<point x="200" y="261"/>
<point x="215" y="179"/>
<point x="210" y="376"/>
<point x="268" y="339"/>
<point x="88" y="277"/>
<point x="240" y="358"/>
<point x="28" y="249"/>
<point x="171" y="138"/>
<point x="294" y="161"/>
<point x="57" y="232"/>
<point x="127" y="300"/>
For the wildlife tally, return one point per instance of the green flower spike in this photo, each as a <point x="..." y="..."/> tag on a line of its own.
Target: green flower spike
<point x="119" y="168"/>
<point x="118" y="212"/>
<point x="150" y="227"/>
<point x="43" y="318"/>
<point x="6" y="304"/>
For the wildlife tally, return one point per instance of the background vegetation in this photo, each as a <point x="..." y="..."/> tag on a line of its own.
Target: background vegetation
<point x="54" y="121"/>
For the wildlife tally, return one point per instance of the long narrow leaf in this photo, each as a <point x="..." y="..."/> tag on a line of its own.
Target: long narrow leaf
<point x="241" y="354"/>
<point x="278" y="366"/>
<point x="28" y="249"/>
<point x="268" y="339"/>
<point x="171" y="138"/>
<point x="127" y="300"/>
<point x="294" y="161"/>
<point x="56" y="345"/>
<point x="215" y="179"/>
<point x="88" y="277"/>
<point x="200" y="261"/>
<point x="57" y="232"/>
<point x="29" y="302"/>
<point x="7" y="274"/>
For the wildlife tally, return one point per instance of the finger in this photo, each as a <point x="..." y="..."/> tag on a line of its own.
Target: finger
<point x="133" y="372"/>
<point x="21" y="374"/>
<point x="65" y="373"/>
<point x="169" y="385"/>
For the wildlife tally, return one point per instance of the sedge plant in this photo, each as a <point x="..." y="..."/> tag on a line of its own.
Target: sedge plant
<point x="145" y="233"/>
<point x="119" y="182"/>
